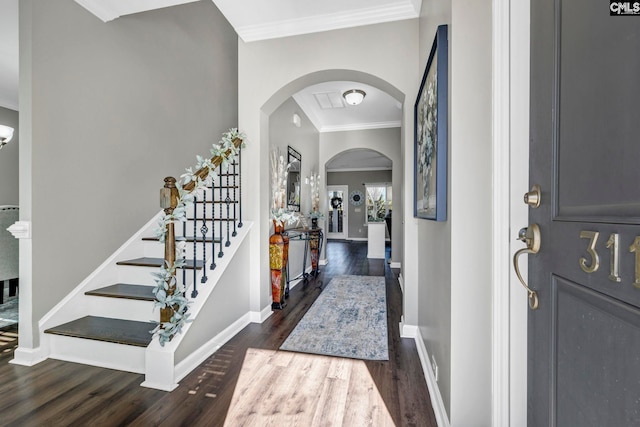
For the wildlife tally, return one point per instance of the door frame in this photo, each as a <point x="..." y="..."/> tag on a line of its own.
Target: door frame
<point x="510" y="44"/>
<point x="345" y="219"/>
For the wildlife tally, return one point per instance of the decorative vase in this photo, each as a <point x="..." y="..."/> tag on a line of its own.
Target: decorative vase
<point x="285" y="263"/>
<point x="314" y="246"/>
<point x="278" y="253"/>
<point x="314" y="222"/>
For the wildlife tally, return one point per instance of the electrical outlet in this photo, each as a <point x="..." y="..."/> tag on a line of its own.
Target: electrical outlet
<point x="434" y="367"/>
<point x="359" y="230"/>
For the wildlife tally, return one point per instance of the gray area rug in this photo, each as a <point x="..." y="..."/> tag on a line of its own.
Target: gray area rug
<point x="8" y="310"/>
<point x="348" y="319"/>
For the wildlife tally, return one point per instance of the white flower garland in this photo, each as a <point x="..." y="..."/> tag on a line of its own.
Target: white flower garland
<point x="165" y="278"/>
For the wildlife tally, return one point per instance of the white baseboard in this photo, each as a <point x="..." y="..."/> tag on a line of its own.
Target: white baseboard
<point x="201" y="354"/>
<point x="436" y="398"/>
<point x="408" y="331"/>
<point x="259" y="317"/>
<point x="27" y="356"/>
<point x="323" y="262"/>
<point x="395" y="264"/>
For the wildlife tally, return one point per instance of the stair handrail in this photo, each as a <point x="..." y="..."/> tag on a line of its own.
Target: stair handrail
<point x="173" y="199"/>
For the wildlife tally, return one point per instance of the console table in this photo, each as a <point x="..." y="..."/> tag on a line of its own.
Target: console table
<point x="313" y="239"/>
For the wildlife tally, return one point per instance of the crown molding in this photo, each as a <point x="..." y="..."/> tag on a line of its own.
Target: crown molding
<point x="407" y="10"/>
<point x="362" y="126"/>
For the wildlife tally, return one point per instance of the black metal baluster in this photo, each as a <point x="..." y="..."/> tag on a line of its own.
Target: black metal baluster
<point x="194" y="292"/>
<point x="240" y="186"/>
<point x="184" y="259"/>
<point x="235" y="201"/>
<point x="221" y="253"/>
<point x="204" y="231"/>
<point x="213" y="225"/>
<point x="227" y="200"/>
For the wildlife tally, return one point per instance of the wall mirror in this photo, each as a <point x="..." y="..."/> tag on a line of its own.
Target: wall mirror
<point x="293" y="179"/>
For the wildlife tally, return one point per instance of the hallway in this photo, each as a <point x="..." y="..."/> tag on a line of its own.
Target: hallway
<point x="61" y="393"/>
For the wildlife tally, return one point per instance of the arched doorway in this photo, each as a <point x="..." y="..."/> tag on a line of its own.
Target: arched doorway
<point x="257" y="104"/>
<point x="362" y="178"/>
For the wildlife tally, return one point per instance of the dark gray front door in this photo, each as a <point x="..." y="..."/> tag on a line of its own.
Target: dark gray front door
<point x="584" y="338"/>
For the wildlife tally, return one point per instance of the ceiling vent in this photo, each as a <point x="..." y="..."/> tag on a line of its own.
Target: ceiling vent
<point x="329" y="100"/>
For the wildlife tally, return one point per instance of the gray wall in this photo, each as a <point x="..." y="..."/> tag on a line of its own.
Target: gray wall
<point x="434" y="238"/>
<point x="114" y="108"/>
<point x="273" y="70"/>
<point x="455" y="312"/>
<point x="9" y="160"/>
<point x="354" y="180"/>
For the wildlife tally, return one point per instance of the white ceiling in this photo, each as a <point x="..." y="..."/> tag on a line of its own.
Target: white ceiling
<point x="377" y="110"/>
<point x="258" y="20"/>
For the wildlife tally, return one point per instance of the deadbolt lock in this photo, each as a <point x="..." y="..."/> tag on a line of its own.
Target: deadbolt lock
<point x="532" y="198"/>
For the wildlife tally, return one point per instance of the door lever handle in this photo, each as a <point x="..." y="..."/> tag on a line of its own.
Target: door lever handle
<point x="531" y="237"/>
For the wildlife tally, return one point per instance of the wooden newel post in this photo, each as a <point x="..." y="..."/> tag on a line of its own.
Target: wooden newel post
<point x="169" y="201"/>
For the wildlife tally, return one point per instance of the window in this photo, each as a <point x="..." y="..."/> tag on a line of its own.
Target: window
<point x="378" y="201"/>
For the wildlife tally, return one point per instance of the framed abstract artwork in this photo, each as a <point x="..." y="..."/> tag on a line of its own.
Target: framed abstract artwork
<point x="430" y="134"/>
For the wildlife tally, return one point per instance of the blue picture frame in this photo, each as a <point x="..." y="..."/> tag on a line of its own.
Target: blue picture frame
<point x="430" y="134"/>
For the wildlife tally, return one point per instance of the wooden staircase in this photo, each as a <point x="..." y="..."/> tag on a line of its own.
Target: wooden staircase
<point x="126" y="296"/>
<point x="128" y="331"/>
<point x="107" y="321"/>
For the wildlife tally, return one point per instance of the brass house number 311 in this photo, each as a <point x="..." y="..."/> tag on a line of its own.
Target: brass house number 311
<point x="614" y="247"/>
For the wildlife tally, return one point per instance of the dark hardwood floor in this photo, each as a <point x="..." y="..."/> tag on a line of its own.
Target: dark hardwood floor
<point x="55" y="393"/>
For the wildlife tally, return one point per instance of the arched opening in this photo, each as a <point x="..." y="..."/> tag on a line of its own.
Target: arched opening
<point x="362" y="179"/>
<point x="382" y="138"/>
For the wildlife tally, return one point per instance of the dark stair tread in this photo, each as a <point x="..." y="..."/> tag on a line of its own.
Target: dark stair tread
<point x="157" y="262"/>
<point x="125" y="291"/>
<point x="119" y="331"/>
<point x="188" y="239"/>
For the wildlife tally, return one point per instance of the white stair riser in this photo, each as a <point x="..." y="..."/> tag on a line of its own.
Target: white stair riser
<point x="153" y="249"/>
<point x="97" y="353"/>
<point x="121" y="308"/>
<point x="142" y="275"/>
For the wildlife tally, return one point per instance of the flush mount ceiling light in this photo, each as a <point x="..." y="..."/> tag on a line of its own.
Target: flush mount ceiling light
<point x="354" y="96"/>
<point x="6" y="133"/>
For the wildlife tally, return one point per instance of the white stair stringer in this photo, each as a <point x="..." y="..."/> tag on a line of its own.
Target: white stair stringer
<point x="163" y="369"/>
